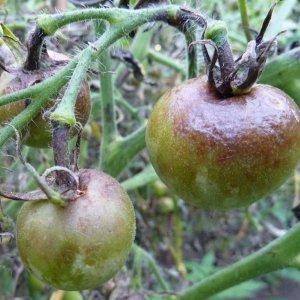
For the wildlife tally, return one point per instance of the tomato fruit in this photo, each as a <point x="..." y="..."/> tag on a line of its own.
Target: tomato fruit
<point x="222" y="153"/>
<point x="83" y="245"/>
<point x="38" y="132"/>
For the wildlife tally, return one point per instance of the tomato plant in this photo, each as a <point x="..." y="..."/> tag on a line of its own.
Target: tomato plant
<point x="216" y="138"/>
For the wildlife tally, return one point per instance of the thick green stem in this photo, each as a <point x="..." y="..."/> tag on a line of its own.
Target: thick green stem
<point x="50" y="86"/>
<point x="279" y="254"/>
<point x="108" y="113"/>
<point x="51" y="23"/>
<point x="192" y="57"/>
<point x="217" y="32"/>
<point x="123" y="150"/>
<point x="245" y="19"/>
<point x="143" y="178"/>
<point x="65" y="111"/>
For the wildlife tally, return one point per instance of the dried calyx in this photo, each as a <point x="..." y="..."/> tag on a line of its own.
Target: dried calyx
<point x="235" y="77"/>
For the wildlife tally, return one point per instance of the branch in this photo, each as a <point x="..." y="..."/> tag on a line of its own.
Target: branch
<point x="245" y="19"/>
<point x="108" y="113"/>
<point x="51" y="23"/>
<point x="141" y="179"/>
<point x="50" y="86"/>
<point x="123" y="150"/>
<point x="65" y="111"/>
<point x="279" y="254"/>
<point x="166" y="61"/>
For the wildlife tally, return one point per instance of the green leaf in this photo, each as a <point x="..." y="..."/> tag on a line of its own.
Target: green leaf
<point x="241" y="291"/>
<point x="198" y="271"/>
<point x="13" y="43"/>
<point x="6" y="281"/>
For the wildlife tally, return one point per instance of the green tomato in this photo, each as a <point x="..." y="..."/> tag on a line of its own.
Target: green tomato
<point x="72" y="296"/>
<point x="166" y="205"/>
<point x="218" y="153"/>
<point x="83" y="245"/>
<point x="159" y="188"/>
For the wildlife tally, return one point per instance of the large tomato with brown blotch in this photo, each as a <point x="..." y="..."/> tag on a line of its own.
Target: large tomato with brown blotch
<point x="83" y="245"/>
<point x="38" y="132"/>
<point x="220" y="153"/>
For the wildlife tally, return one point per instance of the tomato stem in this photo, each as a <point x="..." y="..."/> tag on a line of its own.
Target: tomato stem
<point x="245" y="19"/>
<point x="34" y="47"/>
<point x="65" y="111"/>
<point x="279" y="254"/>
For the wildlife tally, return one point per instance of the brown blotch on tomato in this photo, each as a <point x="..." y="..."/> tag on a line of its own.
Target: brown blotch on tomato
<point x="221" y="153"/>
<point x="83" y="245"/>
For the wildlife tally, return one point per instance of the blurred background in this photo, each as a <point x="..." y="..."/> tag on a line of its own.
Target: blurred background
<point x="178" y="244"/>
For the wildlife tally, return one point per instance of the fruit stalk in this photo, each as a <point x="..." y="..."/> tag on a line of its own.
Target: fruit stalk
<point x="65" y="111"/>
<point x="34" y="47"/>
<point x="217" y="32"/>
<point x="60" y="138"/>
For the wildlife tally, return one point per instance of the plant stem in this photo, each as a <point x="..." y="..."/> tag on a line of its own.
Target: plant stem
<point x="108" y="113"/>
<point x="34" y="46"/>
<point x="154" y="267"/>
<point x="123" y="150"/>
<point x="60" y="139"/>
<point x="65" y="111"/>
<point x="192" y="55"/>
<point x="51" y="23"/>
<point x="50" y="86"/>
<point x="143" y="178"/>
<point x="245" y="19"/>
<point x="277" y="255"/>
<point x="166" y="61"/>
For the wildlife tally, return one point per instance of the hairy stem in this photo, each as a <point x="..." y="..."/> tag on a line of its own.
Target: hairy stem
<point x="49" y="87"/>
<point x="65" y="111"/>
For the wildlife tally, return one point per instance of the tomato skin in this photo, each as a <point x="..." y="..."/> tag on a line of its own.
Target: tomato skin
<point x="220" y="153"/>
<point x="83" y="245"/>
